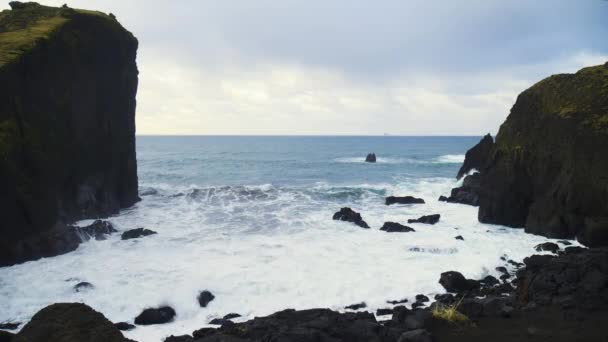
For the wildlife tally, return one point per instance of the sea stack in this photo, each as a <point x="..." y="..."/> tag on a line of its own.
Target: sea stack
<point x="68" y="80"/>
<point x="548" y="169"/>
<point x="371" y="158"/>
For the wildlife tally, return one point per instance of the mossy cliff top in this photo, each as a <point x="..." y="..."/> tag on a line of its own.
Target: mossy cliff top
<point x="27" y="24"/>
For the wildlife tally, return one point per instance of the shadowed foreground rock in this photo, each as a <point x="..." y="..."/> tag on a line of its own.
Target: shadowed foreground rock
<point x="69" y="322"/>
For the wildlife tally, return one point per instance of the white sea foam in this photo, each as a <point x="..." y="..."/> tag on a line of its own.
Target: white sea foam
<point x="450" y="159"/>
<point x="260" y="249"/>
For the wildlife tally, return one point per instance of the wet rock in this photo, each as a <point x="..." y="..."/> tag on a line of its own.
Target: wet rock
<point x="180" y="338"/>
<point x="547" y="246"/>
<point x="68" y="322"/>
<point x="356" y="306"/>
<point x="489" y="281"/>
<point x="160" y="315"/>
<point x="232" y="315"/>
<point x="394" y="227"/>
<point x="97" y="230"/>
<point x="417" y="305"/>
<point x="445" y="298"/>
<point x="204" y="298"/>
<point x="10" y="325"/>
<point x="422" y="298"/>
<point x="477" y="156"/>
<point x="136" y="233"/>
<point x="124" y="326"/>
<point x="383" y="312"/>
<point x="515" y="263"/>
<point x="370" y="158"/>
<point x="418" y="335"/>
<point x="403" y="200"/>
<point x="83" y="286"/>
<point x="565" y="242"/>
<point x="427" y="219"/>
<point x="459" y="237"/>
<point x="220" y="321"/>
<point x="455" y="282"/>
<point x="502" y="269"/>
<point x="349" y="215"/>
<point x="468" y="193"/>
<point x="400" y="301"/>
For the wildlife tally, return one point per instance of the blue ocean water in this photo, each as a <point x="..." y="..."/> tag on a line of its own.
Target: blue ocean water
<point x="250" y="219"/>
<point x="295" y="160"/>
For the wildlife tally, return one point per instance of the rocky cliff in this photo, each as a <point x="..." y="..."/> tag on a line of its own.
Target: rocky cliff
<point x="68" y="80"/>
<point x="548" y="169"/>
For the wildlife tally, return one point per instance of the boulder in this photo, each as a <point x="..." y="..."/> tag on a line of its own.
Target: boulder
<point x="399" y="301"/>
<point x="547" y="246"/>
<point x="159" y="315"/>
<point x="220" y="321"/>
<point x="468" y="193"/>
<point x="394" y="227"/>
<point x="384" y="312"/>
<point x="403" y="200"/>
<point x="455" y="282"/>
<point x="97" y="230"/>
<point x="476" y="157"/>
<point x="231" y="316"/>
<point x="349" y="215"/>
<point x="459" y="237"/>
<point x="357" y="306"/>
<point x="204" y="298"/>
<point x="427" y="219"/>
<point x="124" y="326"/>
<point x="83" y="286"/>
<point x="136" y="233"/>
<point x="553" y="184"/>
<point x="68" y="322"/>
<point x="370" y="158"/>
<point x="418" y="335"/>
<point x="67" y="128"/>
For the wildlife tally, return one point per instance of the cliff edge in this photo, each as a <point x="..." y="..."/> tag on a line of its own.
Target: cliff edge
<point x="68" y="80"/>
<point x="548" y="169"/>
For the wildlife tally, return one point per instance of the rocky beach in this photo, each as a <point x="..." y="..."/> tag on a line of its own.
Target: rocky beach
<point x="527" y="215"/>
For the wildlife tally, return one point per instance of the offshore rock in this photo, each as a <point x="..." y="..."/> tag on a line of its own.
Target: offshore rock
<point x="403" y="200"/>
<point x="349" y="215"/>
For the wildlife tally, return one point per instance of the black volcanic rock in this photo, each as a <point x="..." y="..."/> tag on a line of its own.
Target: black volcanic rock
<point x="394" y="227"/>
<point x="67" y="126"/>
<point x="427" y="219"/>
<point x="10" y="325"/>
<point x="83" y="286"/>
<point x="548" y="170"/>
<point x="204" y="298"/>
<point x="136" y="233"/>
<point x="477" y="156"/>
<point x="124" y="326"/>
<point x="455" y="282"/>
<point x="356" y="306"/>
<point x="160" y="315"/>
<point x="97" y="230"/>
<point x="370" y="158"/>
<point x="468" y="193"/>
<point x="68" y="322"/>
<point x="547" y="246"/>
<point x="403" y="200"/>
<point x="349" y="215"/>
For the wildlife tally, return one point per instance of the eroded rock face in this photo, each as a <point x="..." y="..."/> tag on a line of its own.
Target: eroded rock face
<point x="67" y="124"/>
<point x="477" y="156"/>
<point x="548" y="171"/>
<point x="67" y="322"/>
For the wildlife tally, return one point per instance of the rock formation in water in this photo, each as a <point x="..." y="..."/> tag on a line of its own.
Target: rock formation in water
<point x="68" y="80"/>
<point x="548" y="171"/>
<point x="370" y="158"/>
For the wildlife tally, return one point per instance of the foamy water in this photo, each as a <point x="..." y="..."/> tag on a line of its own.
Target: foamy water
<point x="267" y="247"/>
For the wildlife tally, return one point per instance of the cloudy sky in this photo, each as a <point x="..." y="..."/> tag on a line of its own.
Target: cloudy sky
<point x="413" y="67"/>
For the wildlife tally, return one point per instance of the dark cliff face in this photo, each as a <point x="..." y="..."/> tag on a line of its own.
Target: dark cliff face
<point x="67" y="123"/>
<point x="548" y="171"/>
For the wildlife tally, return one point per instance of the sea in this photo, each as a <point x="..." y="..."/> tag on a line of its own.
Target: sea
<point x="249" y="218"/>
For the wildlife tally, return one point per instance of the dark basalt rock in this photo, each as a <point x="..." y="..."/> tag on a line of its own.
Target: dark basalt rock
<point x="67" y="127"/>
<point x="427" y="219"/>
<point x="502" y="269"/>
<point x="180" y="338"/>
<point x="384" y="312"/>
<point x="455" y="282"/>
<point x="572" y="280"/>
<point x="357" y="306"/>
<point x="136" y="233"/>
<point x="459" y="237"/>
<point x="418" y="335"/>
<point x="422" y="298"/>
<point x="304" y="326"/>
<point x="445" y="298"/>
<point x="370" y="158"/>
<point x="547" y="246"/>
<point x="97" y="230"/>
<point x="204" y="298"/>
<point x="349" y="215"/>
<point x="6" y="336"/>
<point x="394" y="227"/>
<point x="554" y="184"/>
<point x="220" y="321"/>
<point x="476" y="157"/>
<point x="68" y="322"/>
<point x="83" y="286"/>
<point x="400" y="301"/>
<point x="10" y="325"/>
<point x="160" y="315"/>
<point x="403" y="200"/>
<point x="124" y="326"/>
<point x="468" y="193"/>
<point x="231" y="316"/>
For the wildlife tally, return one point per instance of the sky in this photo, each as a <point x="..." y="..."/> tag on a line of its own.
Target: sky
<point x="348" y="67"/>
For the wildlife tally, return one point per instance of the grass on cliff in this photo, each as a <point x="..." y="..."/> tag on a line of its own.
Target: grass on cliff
<point x="450" y="313"/>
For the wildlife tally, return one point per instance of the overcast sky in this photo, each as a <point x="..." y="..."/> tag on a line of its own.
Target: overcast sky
<point x="349" y="67"/>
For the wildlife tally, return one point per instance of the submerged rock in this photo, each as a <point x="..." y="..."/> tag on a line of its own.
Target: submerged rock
<point x="160" y="315"/>
<point x="10" y="325"/>
<point x="371" y="158"/>
<point x="75" y="159"/>
<point x="403" y="200"/>
<point x="427" y="219"/>
<point x="124" y="326"/>
<point x="231" y="316"/>
<point x="394" y="227"/>
<point x="204" y="298"/>
<point x="97" y="230"/>
<point x="83" y="286"/>
<point x="68" y="322"/>
<point x="349" y="215"/>
<point x="136" y="233"/>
